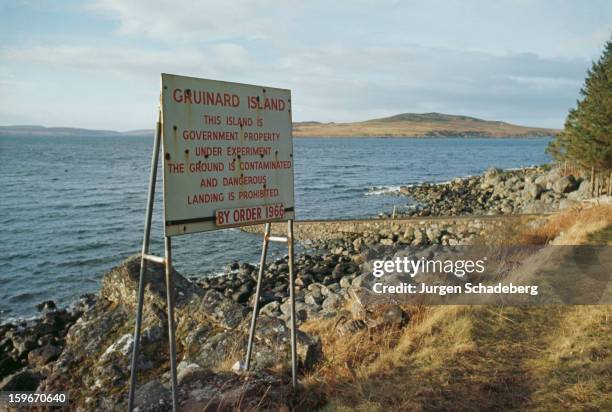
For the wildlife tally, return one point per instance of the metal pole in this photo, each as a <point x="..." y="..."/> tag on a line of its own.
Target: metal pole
<point x="171" y="326"/>
<point x="145" y="250"/>
<point x="292" y="297"/>
<point x="262" y="263"/>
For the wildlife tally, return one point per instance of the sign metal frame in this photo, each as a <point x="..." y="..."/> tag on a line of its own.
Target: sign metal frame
<point x="167" y="262"/>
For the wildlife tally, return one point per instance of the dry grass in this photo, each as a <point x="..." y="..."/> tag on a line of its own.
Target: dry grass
<point x="346" y="358"/>
<point x="570" y="227"/>
<point x="476" y="357"/>
<point x="575" y="369"/>
<point x="469" y="358"/>
<point x="406" y="128"/>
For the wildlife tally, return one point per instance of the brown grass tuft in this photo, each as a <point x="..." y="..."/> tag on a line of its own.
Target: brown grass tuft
<point x="569" y="227"/>
<point x="476" y="357"/>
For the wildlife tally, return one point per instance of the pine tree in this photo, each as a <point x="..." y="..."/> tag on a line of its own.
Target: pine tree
<point x="586" y="139"/>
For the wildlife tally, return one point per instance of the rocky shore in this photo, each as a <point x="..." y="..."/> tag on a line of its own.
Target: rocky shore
<point x="29" y="348"/>
<point x="87" y="352"/>
<point x="527" y="190"/>
<point x="85" y="349"/>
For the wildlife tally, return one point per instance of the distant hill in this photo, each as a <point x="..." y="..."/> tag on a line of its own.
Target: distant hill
<point x="400" y="125"/>
<point x="420" y="125"/>
<point x="66" y="132"/>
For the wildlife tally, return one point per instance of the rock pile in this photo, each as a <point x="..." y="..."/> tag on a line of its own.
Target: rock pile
<point x="28" y="348"/>
<point x="529" y="190"/>
<point x="211" y="335"/>
<point x="93" y="345"/>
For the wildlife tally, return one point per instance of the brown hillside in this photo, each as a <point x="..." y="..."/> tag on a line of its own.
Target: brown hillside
<point x="419" y="125"/>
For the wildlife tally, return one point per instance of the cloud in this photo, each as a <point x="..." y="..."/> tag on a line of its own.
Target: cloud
<point x="342" y="83"/>
<point x="131" y="61"/>
<point x="343" y="61"/>
<point x="171" y="20"/>
<point x="512" y="87"/>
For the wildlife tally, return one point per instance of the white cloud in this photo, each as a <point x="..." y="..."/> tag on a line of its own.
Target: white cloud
<point x="344" y="61"/>
<point x="219" y="59"/>
<point x="341" y="83"/>
<point x="171" y="20"/>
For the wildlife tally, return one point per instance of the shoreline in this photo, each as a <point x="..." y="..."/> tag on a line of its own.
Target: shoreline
<point x="95" y="334"/>
<point x="340" y="226"/>
<point x="515" y="191"/>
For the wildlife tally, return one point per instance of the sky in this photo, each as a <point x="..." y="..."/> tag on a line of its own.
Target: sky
<point x="96" y="63"/>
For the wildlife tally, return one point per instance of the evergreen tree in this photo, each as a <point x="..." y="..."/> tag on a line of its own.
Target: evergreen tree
<point x="586" y="139"/>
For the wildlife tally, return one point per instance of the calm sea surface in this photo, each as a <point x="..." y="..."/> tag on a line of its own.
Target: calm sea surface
<point x="72" y="208"/>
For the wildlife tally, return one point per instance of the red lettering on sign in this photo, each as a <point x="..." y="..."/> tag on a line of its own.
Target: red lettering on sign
<point x="202" y="198"/>
<point x="189" y="96"/>
<point x="267" y="103"/>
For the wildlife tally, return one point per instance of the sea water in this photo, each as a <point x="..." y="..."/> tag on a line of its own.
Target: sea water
<point x="71" y="208"/>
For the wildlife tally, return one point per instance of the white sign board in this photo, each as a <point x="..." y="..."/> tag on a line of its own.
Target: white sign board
<point x="227" y="154"/>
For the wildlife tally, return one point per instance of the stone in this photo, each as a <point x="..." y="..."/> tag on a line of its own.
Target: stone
<point x="311" y="299"/>
<point x="308" y="349"/>
<point x="238" y="367"/>
<point x="246" y="268"/>
<point x="23" y="380"/>
<point x="324" y="290"/>
<point x="317" y="290"/>
<point x="42" y="356"/>
<point x="583" y="192"/>
<point x="433" y="234"/>
<point x="8" y="365"/>
<point x="337" y="250"/>
<point x="548" y="177"/>
<point x="210" y="348"/>
<point x="24" y="344"/>
<point x="533" y="191"/>
<point x="122" y="346"/>
<point x="152" y="394"/>
<point x="265" y="297"/>
<point x="342" y="269"/>
<point x="46" y="305"/>
<point x="408" y="235"/>
<point x="565" y="184"/>
<point x="223" y="311"/>
<point x="419" y="238"/>
<point x="301" y="309"/>
<point x="270" y="309"/>
<point x="332" y="302"/>
<point x="357" y="259"/>
<point x="304" y="279"/>
<point x="243" y="294"/>
<point x="187" y="373"/>
<point x="333" y="288"/>
<point x="351" y="326"/>
<point x="358" y="281"/>
<point x="492" y="176"/>
<point x="345" y="282"/>
<point x="83" y="304"/>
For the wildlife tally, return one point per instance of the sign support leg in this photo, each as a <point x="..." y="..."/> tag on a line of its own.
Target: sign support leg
<point x="292" y="297"/>
<point x="171" y="325"/>
<point x="262" y="263"/>
<point x="143" y="264"/>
